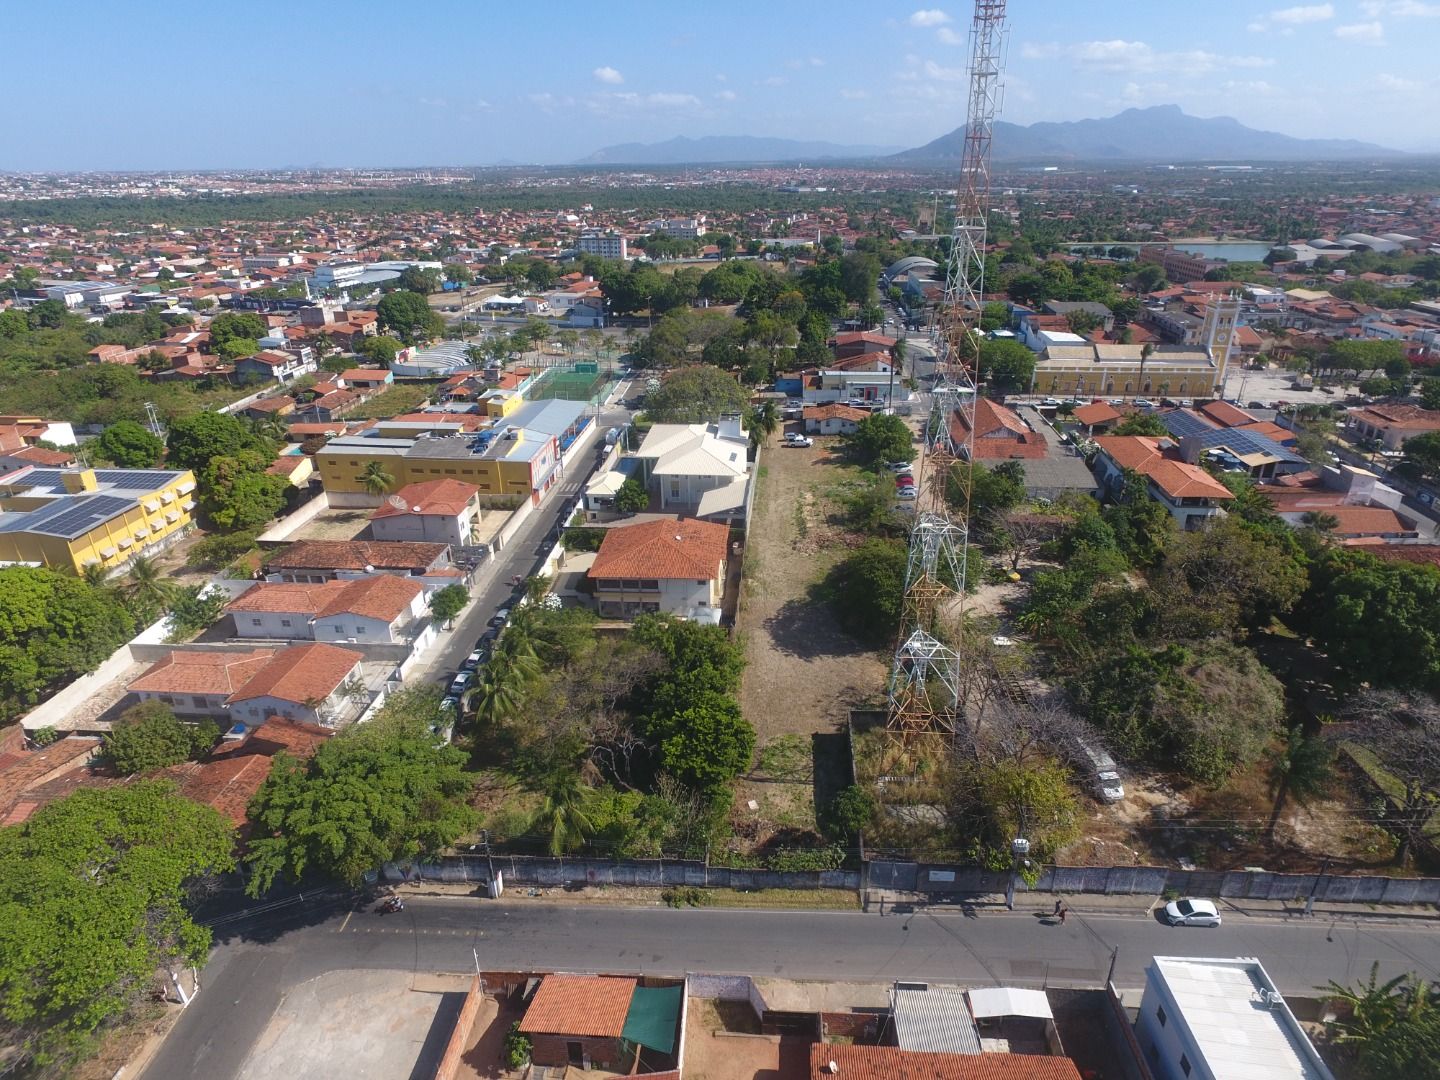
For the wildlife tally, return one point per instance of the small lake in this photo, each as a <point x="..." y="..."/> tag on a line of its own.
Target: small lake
<point x="1244" y="251"/>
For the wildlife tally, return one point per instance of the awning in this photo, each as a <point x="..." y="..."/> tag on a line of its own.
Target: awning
<point x="1009" y="1001"/>
<point x="140" y="534"/>
<point x="188" y="504"/>
<point x="151" y="505"/>
<point x="107" y="553"/>
<point x="167" y="497"/>
<point x="654" y="1017"/>
<point x="126" y="542"/>
<point x="156" y="526"/>
<point x="186" y="488"/>
<point x="172" y="516"/>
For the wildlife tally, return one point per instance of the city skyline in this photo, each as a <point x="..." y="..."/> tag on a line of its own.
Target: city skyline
<point x="377" y="86"/>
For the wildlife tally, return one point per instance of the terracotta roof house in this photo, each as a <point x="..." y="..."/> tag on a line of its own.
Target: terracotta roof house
<point x="444" y="511"/>
<point x="1225" y="414"/>
<point x="599" y="1020"/>
<point x="1190" y="493"/>
<point x="999" y="433"/>
<point x="857" y="343"/>
<point x="833" y="419"/>
<point x="677" y="567"/>
<point x="199" y="682"/>
<point x="375" y="608"/>
<point x="322" y="560"/>
<point x="230" y="776"/>
<point x="1393" y="424"/>
<point x="367" y="379"/>
<point x="853" y="1062"/>
<point x="24" y="770"/>
<point x="304" y="682"/>
<point x="1097" y="417"/>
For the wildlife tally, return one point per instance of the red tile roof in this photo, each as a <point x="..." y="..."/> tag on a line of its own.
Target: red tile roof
<point x="356" y="555"/>
<point x="445" y="497"/>
<point x="593" y="1006"/>
<point x="365" y="375"/>
<point x="211" y="671"/>
<point x="300" y="673"/>
<point x="382" y="596"/>
<point x="671" y="550"/>
<point x="1180" y="480"/>
<point x="1423" y="554"/>
<point x="835" y="412"/>
<point x="1225" y="414"/>
<point x="892" y="1063"/>
<point x="228" y="779"/>
<point x="1405" y="417"/>
<point x="22" y="771"/>
<point x="1097" y="412"/>
<point x="999" y="433"/>
<point x="869" y="336"/>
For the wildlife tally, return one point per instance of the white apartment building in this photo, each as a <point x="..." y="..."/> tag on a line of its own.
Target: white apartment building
<point x="606" y="245"/>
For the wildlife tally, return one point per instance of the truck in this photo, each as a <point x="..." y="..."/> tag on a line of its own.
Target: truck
<point x="1101" y="770"/>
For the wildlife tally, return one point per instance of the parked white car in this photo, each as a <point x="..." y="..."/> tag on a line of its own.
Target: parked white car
<point x="905" y="493"/>
<point x="801" y="441"/>
<point x="1192" y="912"/>
<point x="901" y="466"/>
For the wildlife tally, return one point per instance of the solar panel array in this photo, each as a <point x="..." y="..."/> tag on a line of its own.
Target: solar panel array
<point x="70" y="517"/>
<point x="1246" y="442"/>
<point x="122" y="479"/>
<point x="1182" y="424"/>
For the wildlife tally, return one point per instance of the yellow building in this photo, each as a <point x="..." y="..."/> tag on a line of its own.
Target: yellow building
<point x="518" y="458"/>
<point x="1126" y="371"/>
<point x="68" y="519"/>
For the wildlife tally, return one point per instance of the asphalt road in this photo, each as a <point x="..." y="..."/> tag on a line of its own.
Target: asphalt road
<point x="525" y="552"/>
<point x="260" y="961"/>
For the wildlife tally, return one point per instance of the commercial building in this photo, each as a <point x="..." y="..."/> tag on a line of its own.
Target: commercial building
<point x="519" y="457"/>
<point x="1114" y="370"/>
<point x="1204" y="1019"/>
<point x="442" y="511"/>
<point x="701" y="470"/>
<point x="68" y="519"/>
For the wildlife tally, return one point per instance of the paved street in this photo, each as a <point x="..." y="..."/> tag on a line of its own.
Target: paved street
<point x="248" y="979"/>
<point x="525" y="551"/>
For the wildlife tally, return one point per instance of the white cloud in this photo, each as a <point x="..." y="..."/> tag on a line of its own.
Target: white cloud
<point x="726" y="95"/>
<point x="1401" y="9"/>
<point x="608" y="75"/>
<point x="1138" y="57"/>
<point x="803" y="62"/>
<point x="774" y="80"/>
<point x="1253" y="87"/>
<point x="434" y="103"/>
<point x="934" y="71"/>
<point x="1303" y="13"/>
<point x="929" y="17"/>
<point x="1371" y="33"/>
<point x="1397" y="84"/>
<point x="548" y="102"/>
<point x="854" y="95"/>
<point x="949" y="37"/>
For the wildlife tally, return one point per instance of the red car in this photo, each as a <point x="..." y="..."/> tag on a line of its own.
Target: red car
<point x="904" y="481"/>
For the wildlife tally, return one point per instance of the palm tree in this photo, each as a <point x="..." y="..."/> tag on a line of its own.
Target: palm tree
<point x="95" y="574"/>
<point x="374" y="479"/>
<point x="1145" y="351"/>
<point x="1301" y="770"/>
<point x="764" y="420"/>
<point x="565" y="812"/>
<point x="146" y="587"/>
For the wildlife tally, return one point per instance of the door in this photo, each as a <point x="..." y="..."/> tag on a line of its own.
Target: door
<point x="576" y="1053"/>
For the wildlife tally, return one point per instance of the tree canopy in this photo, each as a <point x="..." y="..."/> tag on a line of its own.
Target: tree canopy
<point x="409" y="316"/>
<point x="93" y="903"/>
<point x="881" y="437"/>
<point x="147" y="736"/>
<point x="195" y="440"/>
<point x="130" y="446"/>
<point x="695" y="395"/>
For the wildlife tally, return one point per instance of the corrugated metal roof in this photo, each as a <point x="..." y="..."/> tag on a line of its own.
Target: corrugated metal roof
<point x="935" y="1020"/>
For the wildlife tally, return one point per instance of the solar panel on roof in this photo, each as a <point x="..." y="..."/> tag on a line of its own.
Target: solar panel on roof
<point x="71" y="517"/>
<point x="1183" y="424"/>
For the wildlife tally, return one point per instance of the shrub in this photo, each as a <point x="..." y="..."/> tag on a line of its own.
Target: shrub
<point x="517" y="1048"/>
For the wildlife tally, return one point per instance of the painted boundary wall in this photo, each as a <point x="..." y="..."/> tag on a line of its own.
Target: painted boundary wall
<point x="936" y="879"/>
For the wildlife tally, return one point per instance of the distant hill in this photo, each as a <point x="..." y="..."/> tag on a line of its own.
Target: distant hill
<point x="717" y="149"/>
<point x="1160" y="133"/>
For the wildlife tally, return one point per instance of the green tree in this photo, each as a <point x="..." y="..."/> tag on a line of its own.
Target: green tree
<point x="147" y="587"/>
<point x="380" y="349"/>
<point x="1006" y="365"/>
<point x="381" y="792"/>
<point x="448" y="602"/>
<point x="459" y="273"/>
<point x="1422" y="454"/>
<point x="129" y="446"/>
<point x="564" y="814"/>
<point x="1408" y="1048"/>
<point x="1301" y="770"/>
<point x="1430" y="392"/>
<point x="866" y="590"/>
<point x="880" y="437"/>
<point x="847" y="813"/>
<point x="763" y="421"/>
<point x="194" y="440"/>
<point x="93" y="903"/>
<point x="374" y="479"/>
<point x="409" y="316"/>
<point x="632" y="498"/>
<point x="193" y="608"/>
<point x="1374" y="1007"/>
<point x="237" y="348"/>
<point x="695" y="395"/>
<point x="420" y="280"/>
<point x="1141" y="424"/>
<point x="53" y="627"/>
<point x="232" y="325"/>
<point x="237" y="493"/>
<point x="992" y="490"/>
<point x="148" y="736"/>
<point x="706" y="744"/>
<point x="997" y="801"/>
<point x="859" y="273"/>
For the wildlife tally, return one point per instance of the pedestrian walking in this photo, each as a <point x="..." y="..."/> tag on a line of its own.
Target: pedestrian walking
<point x="1058" y="905"/>
<point x="1063" y="912"/>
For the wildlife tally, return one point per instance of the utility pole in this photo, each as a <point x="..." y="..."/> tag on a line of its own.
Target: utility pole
<point x="1315" y="887"/>
<point x="489" y="864"/>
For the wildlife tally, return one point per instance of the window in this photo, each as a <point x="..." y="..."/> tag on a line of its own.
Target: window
<point x="699" y="583"/>
<point x="254" y="622"/>
<point x="1184" y="1064"/>
<point x="198" y="701"/>
<point x="339" y="629"/>
<point x="284" y="622"/>
<point x="1160" y="1014"/>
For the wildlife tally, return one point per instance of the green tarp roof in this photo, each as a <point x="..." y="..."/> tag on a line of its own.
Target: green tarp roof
<point x="653" y="1017"/>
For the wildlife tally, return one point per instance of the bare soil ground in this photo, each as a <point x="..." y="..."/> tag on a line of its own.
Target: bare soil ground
<point x="714" y="1052"/>
<point x="803" y="673"/>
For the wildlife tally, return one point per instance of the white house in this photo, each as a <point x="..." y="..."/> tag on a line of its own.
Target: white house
<point x="199" y="682"/>
<point x="676" y="567"/>
<point x="444" y="511"/>
<point x="1206" y="1019"/>
<point x="833" y="419"/>
<point x="1190" y="493"/>
<point x="586" y="314"/>
<point x="372" y="609"/>
<point x="701" y="470"/>
<point x="831" y="385"/>
<point x="314" y="683"/>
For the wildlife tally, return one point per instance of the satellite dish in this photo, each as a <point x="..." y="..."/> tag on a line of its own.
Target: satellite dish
<point x="397" y="502"/>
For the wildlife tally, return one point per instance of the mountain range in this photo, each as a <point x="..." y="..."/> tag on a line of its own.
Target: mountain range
<point x="1161" y="133"/>
<point x="715" y="149"/>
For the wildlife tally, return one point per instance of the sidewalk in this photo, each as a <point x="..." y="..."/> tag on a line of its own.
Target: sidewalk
<point x="1143" y="906"/>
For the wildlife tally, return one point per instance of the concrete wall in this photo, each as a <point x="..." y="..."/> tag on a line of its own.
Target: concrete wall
<point x="54" y="712"/>
<point x="292" y="523"/>
<point x="455" y="1048"/>
<point x="557" y="873"/>
<point x="728" y="988"/>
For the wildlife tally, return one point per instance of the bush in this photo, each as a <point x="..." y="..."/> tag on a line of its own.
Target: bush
<point x="582" y="539"/>
<point x="148" y="736"/>
<point x="517" y="1047"/>
<point x="686" y="896"/>
<point x="831" y="857"/>
<point x="848" y="813"/>
<point x="213" y="552"/>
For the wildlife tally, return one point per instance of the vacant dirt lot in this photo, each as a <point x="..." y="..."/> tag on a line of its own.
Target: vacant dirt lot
<point x="803" y="672"/>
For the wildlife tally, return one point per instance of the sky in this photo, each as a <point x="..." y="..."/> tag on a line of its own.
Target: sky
<point x="102" y="85"/>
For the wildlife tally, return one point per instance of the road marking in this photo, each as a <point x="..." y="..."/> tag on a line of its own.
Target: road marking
<point x="345" y="923"/>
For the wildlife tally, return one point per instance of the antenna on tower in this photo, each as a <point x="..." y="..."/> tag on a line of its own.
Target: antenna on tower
<point x="925" y="679"/>
<point x="152" y="420"/>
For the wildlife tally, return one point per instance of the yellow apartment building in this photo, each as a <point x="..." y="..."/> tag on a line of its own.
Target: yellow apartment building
<point x="67" y="519"/>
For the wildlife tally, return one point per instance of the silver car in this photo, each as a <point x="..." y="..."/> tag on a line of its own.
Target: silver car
<point x="1192" y="912"/>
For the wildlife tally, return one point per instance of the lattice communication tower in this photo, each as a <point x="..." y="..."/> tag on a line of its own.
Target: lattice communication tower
<point x="925" y="680"/>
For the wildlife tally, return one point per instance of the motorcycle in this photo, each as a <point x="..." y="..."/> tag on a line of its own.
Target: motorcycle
<point x="391" y="905"/>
